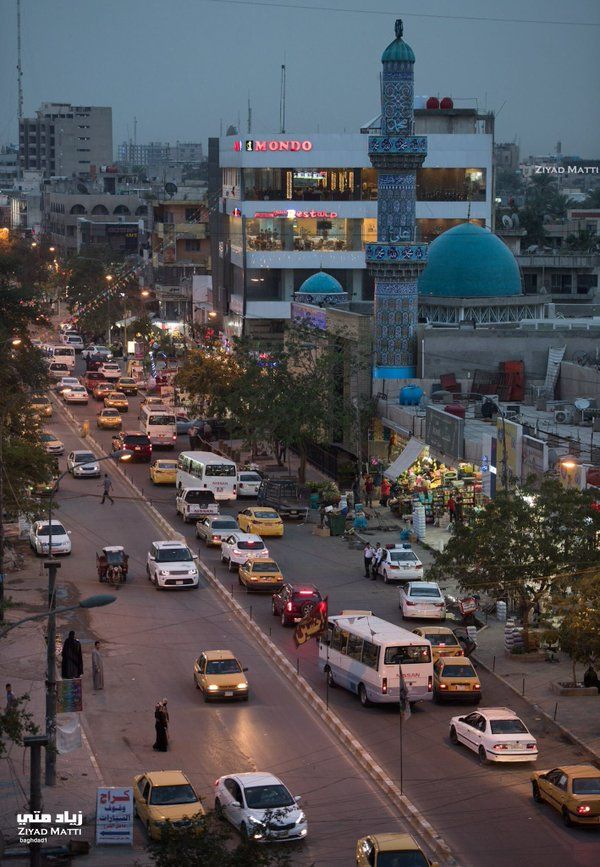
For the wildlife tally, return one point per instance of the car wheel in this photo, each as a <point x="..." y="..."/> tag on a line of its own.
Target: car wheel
<point x="362" y="694"/>
<point x="196" y="683"/>
<point x="283" y="619"/>
<point x="273" y="608"/>
<point x="482" y="756"/>
<point x="306" y="609"/>
<point x="453" y="736"/>
<point x="148" y="573"/>
<point x="230" y="566"/>
<point x="535" y="792"/>
<point x="223" y="559"/>
<point x="206" y="543"/>
<point x="219" y="809"/>
<point x="244" y="832"/>
<point x="566" y="817"/>
<point x="385" y="577"/>
<point x="330" y="680"/>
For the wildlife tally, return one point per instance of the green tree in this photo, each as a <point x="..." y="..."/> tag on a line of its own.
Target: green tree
<point x="585" y="241"/>
<point x="208" y="843"/>
<point x="15" y="723"/>
<point x="579" y="631"/>
<point x="527" y="546"/>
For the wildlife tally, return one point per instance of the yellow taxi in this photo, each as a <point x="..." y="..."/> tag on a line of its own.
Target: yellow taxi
<point x="260" y="520"/>
<point x="116" y="400"/>
<point x="109" y="419"/>
<point x="40" y="405"/>
<point x="455" y="679"/>
<point x="165" y="796"/>
<point x="127" y="385"/>
<point x="378" y="850"/>
<point x="219" y="675"/>
<point x="443" y="641"/>
<point x="163" y="472"/>
<point x="260" y="575"/>
<point x="573" y="790"/>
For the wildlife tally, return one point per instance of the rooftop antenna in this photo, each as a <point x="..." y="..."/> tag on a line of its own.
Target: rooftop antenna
<point x="135" y="130"/>
<point x="249" y="116"/>
<point x="221" y="127"/>
<point x="19" y="66"/>
<point x="282" y="101"/>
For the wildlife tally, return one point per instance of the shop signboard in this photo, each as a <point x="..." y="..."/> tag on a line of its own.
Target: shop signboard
<point x="69" y="696"/>
<point x="534" y="458"/>
<point x="114" y="815"/>
<point x="509" y="452"/>
<point x="445" y="432"/>
<point x="310" y="315"/>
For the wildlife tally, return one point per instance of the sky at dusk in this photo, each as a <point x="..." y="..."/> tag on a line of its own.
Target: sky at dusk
<point x="184" y="66"/>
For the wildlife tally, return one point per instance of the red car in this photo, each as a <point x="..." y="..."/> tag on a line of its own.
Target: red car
<point x="136" y="442"/>
<point x="294" y="601"/>
<point x="92" y="378"/>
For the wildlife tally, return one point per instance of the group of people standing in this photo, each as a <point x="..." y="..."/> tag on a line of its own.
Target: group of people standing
<point x="372" y="557"/>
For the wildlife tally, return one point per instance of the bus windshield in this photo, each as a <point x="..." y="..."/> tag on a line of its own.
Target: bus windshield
<point x="161" y="419"/>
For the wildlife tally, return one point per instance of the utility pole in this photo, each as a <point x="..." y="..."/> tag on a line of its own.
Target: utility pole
<point x="35" y="744"/>
<point x="52" y="566"/>
<point x="282" y="101"/>
<point x="19" y="66"/>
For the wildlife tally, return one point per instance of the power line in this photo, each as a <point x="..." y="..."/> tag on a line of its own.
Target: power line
<point x="306" y="7"/>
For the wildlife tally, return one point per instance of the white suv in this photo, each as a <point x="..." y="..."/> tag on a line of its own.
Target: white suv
<point x="240" y="547"/>
<point x="496" y="734"/>
<point x="172" y="564"/>
<point x="110" y="370"/>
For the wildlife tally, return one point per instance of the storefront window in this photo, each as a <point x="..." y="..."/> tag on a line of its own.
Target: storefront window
<point x="324" y="232"/>
<point x="451" y="185"/>
<point x="428" y="230"/>
<point x="302" y="184"/>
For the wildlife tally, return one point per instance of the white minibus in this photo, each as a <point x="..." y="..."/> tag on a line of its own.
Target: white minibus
<point x="208" y="471"/>
<point x="66" y="354"/>
<point x="160" y="425"/>
<point x="365" y="654"/>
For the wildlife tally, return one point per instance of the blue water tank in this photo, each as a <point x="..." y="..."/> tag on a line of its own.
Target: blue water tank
<point x="410" y="395"/>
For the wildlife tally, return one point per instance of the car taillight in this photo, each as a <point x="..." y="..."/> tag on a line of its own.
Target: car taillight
<point x="429" y="683"/>
<point x="584" y="809"/>
<point x="443" y="686"/>
<point x="306" y="593"/>
<point x="500" y="747"/>
<point x="235" y="551"/>
<point x="215" y="538"/>
<point x="288" y="607"/>
<point x="412" y="604"/>
<point x="241" y="484"/>
<point x="476" y="686"/>
<point x="532" y="746"/>
<point x="174" y="436"/>
<point x="384" y="685"/>
<point x="419" y="566"/>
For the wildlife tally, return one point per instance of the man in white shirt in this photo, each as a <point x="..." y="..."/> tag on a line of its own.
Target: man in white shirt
<point x="368" y="553"/>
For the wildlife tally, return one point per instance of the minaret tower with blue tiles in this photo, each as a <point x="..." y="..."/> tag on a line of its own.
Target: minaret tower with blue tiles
<point x="396" y="260"/>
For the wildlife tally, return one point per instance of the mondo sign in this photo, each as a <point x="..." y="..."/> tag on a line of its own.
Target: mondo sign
<point x="255" y="145"/>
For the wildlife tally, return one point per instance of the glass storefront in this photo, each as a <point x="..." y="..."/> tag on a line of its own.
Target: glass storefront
<point x="326" y="233"/>
<point x="428" y="230"/>
<point x="451" y="185"/>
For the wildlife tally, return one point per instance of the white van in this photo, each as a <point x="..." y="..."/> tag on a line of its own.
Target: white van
<point x="74" y="340"/>
<point x="66" y="354"/>
<point x="160" y="425"/>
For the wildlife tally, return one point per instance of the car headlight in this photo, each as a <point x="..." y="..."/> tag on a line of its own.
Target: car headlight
<point x="242" y="686"/>
<point x="162" y="573"/>
<point x="257" y="823"/>
<point x="301" y="818"/>
<point x="212" y="687"/>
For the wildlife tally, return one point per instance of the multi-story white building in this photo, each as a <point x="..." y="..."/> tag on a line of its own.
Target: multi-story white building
<point x="294" y="204"/>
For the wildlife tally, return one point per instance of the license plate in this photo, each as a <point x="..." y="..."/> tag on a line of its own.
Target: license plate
<point x="461" y="686"/>
<point x="179" y="582"/>
<point x="228" y="694"/>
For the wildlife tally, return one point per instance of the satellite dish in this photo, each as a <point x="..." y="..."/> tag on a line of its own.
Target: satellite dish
<point x="507" y="222"/>
<point x="81" y="188"/>
<point x="170" y="188"/>
<point x="515" y="221"/>
<point x="582" y="403"/>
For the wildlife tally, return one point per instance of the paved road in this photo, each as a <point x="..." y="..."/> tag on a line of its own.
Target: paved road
<point x="486" y="814"/>
<point x="151" y="640"/>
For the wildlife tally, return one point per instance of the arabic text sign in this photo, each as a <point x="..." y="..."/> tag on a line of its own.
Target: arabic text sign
<point x="444" y="432"/>
<point x="534" y="457"/>
<point x="69" y="698"/>
<point x="114" y="815"/>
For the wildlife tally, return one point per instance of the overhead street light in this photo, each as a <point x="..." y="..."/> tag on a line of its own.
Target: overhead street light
<point x="91" y="602"/>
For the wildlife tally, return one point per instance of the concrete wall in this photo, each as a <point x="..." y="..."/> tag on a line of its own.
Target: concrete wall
<point x="578" y="381"/>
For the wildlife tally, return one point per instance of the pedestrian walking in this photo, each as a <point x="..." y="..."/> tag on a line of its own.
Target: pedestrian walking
<point x="115" y="443"/>
<point x="161" y="744"/>
<point x="97" y="667"/>
<point x="11" y="700"/>
<point x="458" y="509"/>
<point x="377" y="555"/>
<point x="385" y="491"/>
<point x="368" y="557"/>
<point x="590" y="678"/>
<point x="72" y="658"/>
<point x="207" y="432"/>
<point x="193" y="436"/>
<point x="106" y="485"/>
<point x="369" y="488"/>
<point x="451" y="508"/>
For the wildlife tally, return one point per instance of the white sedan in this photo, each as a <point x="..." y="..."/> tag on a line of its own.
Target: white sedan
<point x="52" y="445"/>
<point x="83" y="465"/>
<point x="75" y="394"/>
<point x="248" y="484"/>
<point x="260" y="807"/>
<point x="65" y="383"/>
<point x="496" y="734"/>
<point x="95" y="350"/>
<point x="239" y="547"/>
<point x="400" y="563"/>
<point x="422" y="599"/>
<point x="39" y="538"/>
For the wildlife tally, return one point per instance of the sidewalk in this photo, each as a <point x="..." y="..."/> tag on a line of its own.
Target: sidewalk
<point x="578" y="717"/>
<point x="22" y="664"/>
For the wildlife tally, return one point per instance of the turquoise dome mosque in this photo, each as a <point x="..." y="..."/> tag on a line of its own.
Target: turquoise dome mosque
<point x="321" y="283"/>
<point x="469" y="261"/>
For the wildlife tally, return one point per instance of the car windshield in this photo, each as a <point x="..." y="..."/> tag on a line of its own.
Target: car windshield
<point x="586" y="786"/>
<point x="405" y="655"/>
<point x="268" y="797"/>
<point x="425" y="592"/>
<point x="166" y="465"/>
<point x="133" y="440"/>
<point x="459" y="671"/>
<point x="222" y="666"/>
<point x="508" y="727"/>
<point x="125" y="380"/>
<point x="262" y="513"/>
<point x="116" y="395"/>
<point x="200" y="497"/>
<point x="161" y="419"/>
<point x="223" y="525"/>
<point x="265" y="567"/>
<point x="47" y="438"/>
<point x="83" y="457"/>
<point x="170" y="795"/>
<point x="173" y="555"/>
<point x="402" y="859"/>
<point x="403" y="557"/>
<point x="57" y="530"/>
<point x="246" y="545"/>
<point x="249" y="477"/>
<point x="437" y="640"/>
<point x="220" y="470"/>
<point x="110" y="413"/>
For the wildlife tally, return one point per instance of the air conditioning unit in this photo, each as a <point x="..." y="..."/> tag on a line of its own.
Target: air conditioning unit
<point x="563" y="416"/>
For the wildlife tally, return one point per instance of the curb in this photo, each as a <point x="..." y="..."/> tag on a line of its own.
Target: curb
<point x="377" y="774"/>
<point x="562" y="729"/>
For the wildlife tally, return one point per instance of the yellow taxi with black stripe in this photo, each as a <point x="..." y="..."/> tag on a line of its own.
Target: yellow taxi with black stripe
<point x="219" y="675"/>
<point x="257" y="574"/>
<point x="163" y="472"/>
<point x="116" y="400"/>
<point x="455" y="679"/>
<point x="109" y="419"/>
<point x="260" y="520"/>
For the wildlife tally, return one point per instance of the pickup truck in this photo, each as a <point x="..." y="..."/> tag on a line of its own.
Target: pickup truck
<point x="194" y="503"/>
<point x="283" y="495"/>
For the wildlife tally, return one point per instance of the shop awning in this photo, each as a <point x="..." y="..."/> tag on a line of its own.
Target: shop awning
<point x="405" y="459"/>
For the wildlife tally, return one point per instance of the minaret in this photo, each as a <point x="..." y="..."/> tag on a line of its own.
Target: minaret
<point x="396" y="260"/>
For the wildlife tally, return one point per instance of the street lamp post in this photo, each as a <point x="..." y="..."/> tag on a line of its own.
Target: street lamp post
<point x="14" y="342"/>
<point x="108" y="279"/>
<point x="52" y="565"/>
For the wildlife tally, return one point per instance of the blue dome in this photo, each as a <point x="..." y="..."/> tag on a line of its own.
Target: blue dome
<point x="321" y="284"/>
<point x="468" y="261"/>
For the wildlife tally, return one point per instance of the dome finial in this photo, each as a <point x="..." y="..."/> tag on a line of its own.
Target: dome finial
<point x="399" y="28"/>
